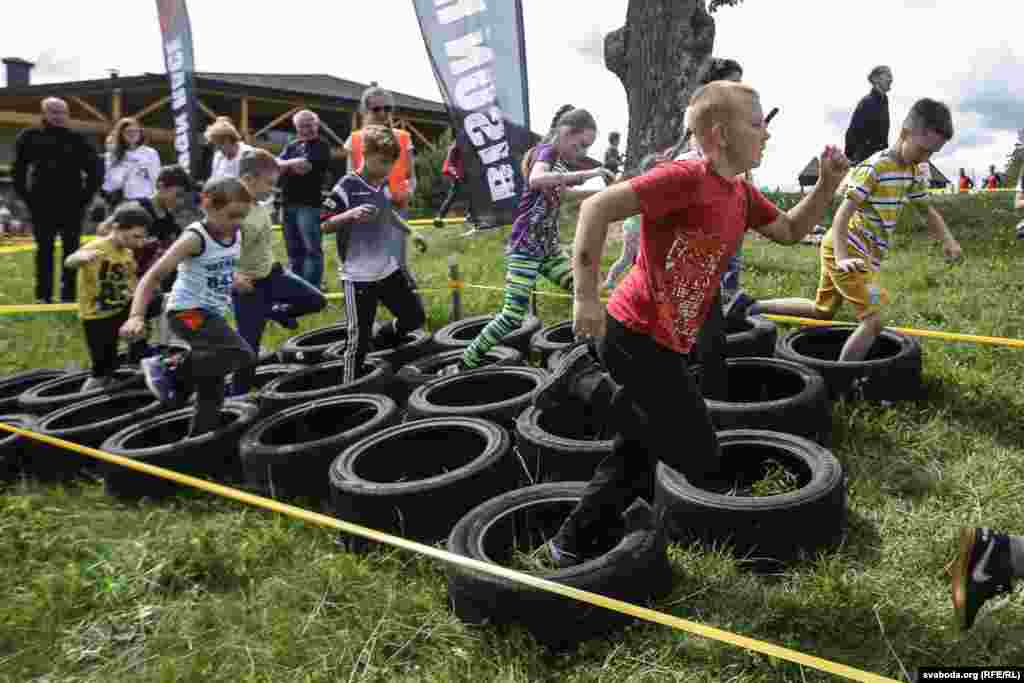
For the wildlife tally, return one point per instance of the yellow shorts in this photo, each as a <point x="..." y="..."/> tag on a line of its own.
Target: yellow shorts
<point x="861" y="289"/>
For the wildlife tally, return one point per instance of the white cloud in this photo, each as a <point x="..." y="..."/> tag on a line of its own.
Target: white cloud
<point x="808" y="58"/>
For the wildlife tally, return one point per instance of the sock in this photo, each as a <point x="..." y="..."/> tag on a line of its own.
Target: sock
<point x="1017" y="556"/>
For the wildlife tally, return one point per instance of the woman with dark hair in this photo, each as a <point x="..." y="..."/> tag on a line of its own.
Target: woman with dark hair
<point x="869" y="126"/>
<point x="131" y="165"/>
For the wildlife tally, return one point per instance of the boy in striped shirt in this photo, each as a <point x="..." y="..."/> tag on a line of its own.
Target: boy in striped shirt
<point x="854" y="247"/>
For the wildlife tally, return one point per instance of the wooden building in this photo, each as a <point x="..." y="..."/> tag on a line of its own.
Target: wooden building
<point x="261" y="106"/>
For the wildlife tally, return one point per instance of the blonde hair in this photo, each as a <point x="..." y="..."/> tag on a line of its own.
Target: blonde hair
<point x="717" y="102"/>
<point x="220" y="192"/>
<point x="380" y="140"/>
<point x="222" y="128"/>
<point x="256" y="162"/>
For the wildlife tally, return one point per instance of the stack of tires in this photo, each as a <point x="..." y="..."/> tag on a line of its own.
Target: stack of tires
<point x="411" y="448"/>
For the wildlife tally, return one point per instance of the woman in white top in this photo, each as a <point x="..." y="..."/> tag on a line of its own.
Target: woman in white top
<point x="132" y="165"/>
<point x="223" y="135"/>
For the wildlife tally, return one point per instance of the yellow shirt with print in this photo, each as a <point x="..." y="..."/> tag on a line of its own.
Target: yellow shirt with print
<point x="106" y="284"/>
<point x="883" y="186"/>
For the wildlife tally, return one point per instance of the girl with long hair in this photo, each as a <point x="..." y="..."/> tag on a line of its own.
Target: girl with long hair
<point x="533" y="247"/>
<point x="131" y="165"/>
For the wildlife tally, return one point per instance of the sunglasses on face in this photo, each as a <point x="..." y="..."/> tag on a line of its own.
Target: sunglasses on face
<point x="380" y="110"/>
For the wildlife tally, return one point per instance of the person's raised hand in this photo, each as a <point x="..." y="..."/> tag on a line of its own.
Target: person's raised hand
<point x="833" y="166"/>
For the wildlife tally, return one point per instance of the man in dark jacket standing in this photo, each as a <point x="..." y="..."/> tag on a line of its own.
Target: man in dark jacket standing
<point x="56" y="173"/>
<point x="869" y="126"/>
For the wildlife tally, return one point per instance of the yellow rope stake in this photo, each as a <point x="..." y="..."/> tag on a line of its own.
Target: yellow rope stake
<point x="485" y="567"/>
<point x="934" y="334"/>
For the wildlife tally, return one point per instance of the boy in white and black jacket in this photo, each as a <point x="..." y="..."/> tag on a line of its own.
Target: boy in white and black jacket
<point x="371" y="251"/>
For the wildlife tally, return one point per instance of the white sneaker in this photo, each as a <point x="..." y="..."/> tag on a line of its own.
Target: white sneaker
<point x="95" y="384"/>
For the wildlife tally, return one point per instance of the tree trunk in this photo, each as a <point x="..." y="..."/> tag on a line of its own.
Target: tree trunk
<point x="659" y="55"/>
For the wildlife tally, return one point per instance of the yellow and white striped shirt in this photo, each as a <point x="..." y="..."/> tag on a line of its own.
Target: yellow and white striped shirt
<point x="883" y="187"/>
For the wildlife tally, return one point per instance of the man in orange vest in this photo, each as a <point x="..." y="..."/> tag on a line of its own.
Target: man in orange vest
<point x="377" y="105"/>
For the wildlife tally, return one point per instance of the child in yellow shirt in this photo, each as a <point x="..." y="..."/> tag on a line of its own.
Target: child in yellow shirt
<point x="106" y="282"/>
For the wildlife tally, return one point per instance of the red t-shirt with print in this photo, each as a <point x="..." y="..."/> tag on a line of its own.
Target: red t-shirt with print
<point x="691" y="223"/>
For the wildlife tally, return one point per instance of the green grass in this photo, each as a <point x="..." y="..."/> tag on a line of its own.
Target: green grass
<point x="201" y="589"/>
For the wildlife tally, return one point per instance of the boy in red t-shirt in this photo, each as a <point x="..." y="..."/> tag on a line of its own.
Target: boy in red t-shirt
<point x="693" y="216"/>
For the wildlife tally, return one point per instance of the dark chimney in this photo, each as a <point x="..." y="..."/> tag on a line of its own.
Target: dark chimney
<point x="114" y="74"/>
<point x="18" y="71"/>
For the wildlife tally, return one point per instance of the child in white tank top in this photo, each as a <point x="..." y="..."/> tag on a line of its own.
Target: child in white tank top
<point x="205" y="257"/>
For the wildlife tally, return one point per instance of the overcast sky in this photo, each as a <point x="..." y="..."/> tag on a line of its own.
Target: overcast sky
<point x="810" y="58"/>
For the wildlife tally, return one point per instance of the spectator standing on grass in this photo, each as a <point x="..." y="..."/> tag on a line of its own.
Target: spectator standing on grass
<point x="377" y="106"/>
<point x="228" y="146"/>
<point x="533" y="247"/>
<point x="205" y="256"/>
<point x="57" y="173"/>
<point x="868" y="131"/>
<point x="132" y="165"/>
<point x="612" y="155"/>
<point x="966" y="184"/>
<point x="1018" y="203"/>
<point x="303" y="165"/>
<point x="455" y="170"/>
<point x="993" y="180"/>
<point x="263" y="290"/>
<point x="693" y="213"/>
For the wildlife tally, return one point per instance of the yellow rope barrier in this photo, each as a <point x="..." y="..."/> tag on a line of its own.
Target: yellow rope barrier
<point x="933" y="334"/>
<point x="461" y="285"/>
<point x="620" y="606"/>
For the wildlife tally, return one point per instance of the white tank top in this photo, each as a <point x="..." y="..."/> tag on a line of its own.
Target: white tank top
<point x="204" y="281"/>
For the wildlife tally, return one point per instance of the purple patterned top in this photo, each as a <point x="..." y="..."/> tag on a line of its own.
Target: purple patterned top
<point x="535" y="230"/>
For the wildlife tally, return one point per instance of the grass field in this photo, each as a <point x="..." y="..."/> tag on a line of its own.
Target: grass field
<point x="200" y="589"/>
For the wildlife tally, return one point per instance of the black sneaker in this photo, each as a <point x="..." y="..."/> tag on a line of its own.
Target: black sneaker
<point x="384" y="335"/>
<point x="557" y="389"/>
<point x="735" y="312"/>
<point x="981" y="571"/>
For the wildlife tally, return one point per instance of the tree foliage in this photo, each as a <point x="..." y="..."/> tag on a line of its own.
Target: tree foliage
<point x="715" y="4"/>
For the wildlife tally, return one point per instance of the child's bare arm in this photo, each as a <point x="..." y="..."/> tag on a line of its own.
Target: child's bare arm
<point x="542" y="177"/>
<point x="83" y="255"/>
<point x="792" y="226"/>
<point x="939" y="231"/>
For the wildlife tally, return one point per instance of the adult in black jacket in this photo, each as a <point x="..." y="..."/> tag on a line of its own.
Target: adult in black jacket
<point x="56" y="173"/>
<point x="869" y="126"/>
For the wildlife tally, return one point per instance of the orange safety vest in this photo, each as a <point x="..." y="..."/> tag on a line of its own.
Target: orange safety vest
<point x="398" y="181"/>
